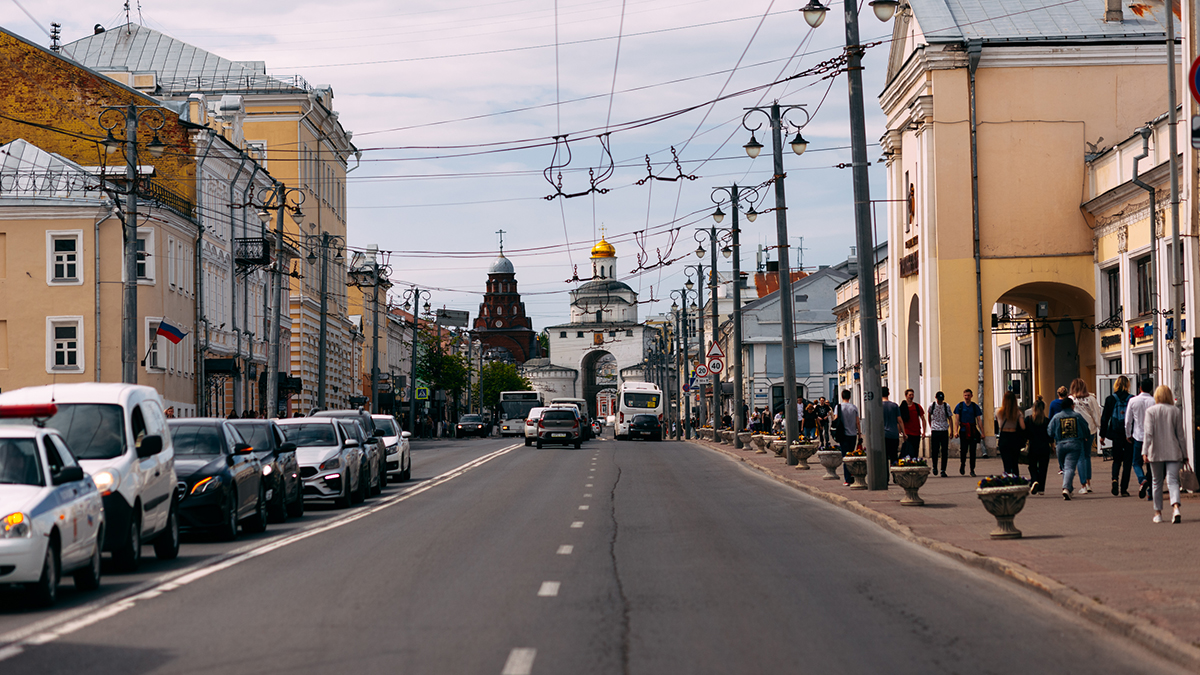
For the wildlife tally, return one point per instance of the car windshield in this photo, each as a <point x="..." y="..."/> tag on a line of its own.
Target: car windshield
<point x="19" y="462"/>
<point x="310" y="435"/>
<point x="471" y="419"/>
<point x="388" y="427"/>
<point x="196" y="439"/>
<point x="256" y="434"/>
<point x="92" y="430"/>
<point x="639" y="400"/>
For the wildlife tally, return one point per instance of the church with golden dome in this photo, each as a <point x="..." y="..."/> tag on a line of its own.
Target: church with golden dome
<point x="602" y="343"/>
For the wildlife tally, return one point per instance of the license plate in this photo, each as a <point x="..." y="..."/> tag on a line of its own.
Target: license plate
<point x="558" y="435"/>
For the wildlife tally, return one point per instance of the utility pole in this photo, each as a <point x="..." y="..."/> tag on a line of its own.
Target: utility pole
<point x="129" y="323"/>
<point x="1176" y="261"/>
<point x="276" y="313"/>
<point x="322" y="344"/>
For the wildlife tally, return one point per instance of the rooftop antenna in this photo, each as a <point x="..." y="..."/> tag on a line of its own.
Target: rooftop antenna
<point x="55" y="34"/>
<point x="128" y="30"/>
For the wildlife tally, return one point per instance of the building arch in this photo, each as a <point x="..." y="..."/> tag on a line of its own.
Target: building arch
<point x="599" y="370"/>
<point x="1064" y="344"/>
<point x="913" y="357"/>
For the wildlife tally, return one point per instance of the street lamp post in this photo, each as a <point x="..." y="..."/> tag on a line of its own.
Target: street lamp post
<point x="698" y="268"/>
<point x="323" y="242"/>
<point x="131" y="115"/>
<point x="872" y="413"/>
<point x="277" y="199"/>
<point x="712" y="294"/>
<point x="412" y="297"/>
<point x="681" y="295"/>
<point x="778" y="119"/>
<point x="374" y="275"/>
<point x="735" y="195"/>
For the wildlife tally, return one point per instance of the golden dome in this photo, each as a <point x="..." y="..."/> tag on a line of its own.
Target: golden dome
<point x="603" y="249"/>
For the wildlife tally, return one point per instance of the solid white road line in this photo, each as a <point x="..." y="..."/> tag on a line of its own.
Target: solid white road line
<point x="520" y="662"/>
<point x="87" y="615"/>
<point x="577" y="524"/>
<point x="549" y="589"/>
<point x="565" y="549"/>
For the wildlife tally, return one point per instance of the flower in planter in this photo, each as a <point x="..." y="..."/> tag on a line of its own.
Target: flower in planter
<point x="857" y="452"/>
<point x="1006" y="480"/>
<point x="912" y="461"/>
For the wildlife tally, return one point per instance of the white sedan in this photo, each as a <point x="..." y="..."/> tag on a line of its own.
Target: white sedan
<point x="51" y="514"/>
<point x="399" y="452"/>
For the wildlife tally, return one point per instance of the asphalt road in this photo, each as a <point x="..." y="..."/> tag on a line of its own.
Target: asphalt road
<point x="620" y="557"/>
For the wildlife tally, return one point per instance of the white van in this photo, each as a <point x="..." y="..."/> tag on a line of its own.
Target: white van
<point x="636" y="398"/>
<point x="118" y="432"/>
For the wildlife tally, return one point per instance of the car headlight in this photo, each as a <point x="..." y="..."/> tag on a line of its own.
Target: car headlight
<point x="267" y="470"/>
<point x="107" y="482"/>
<point x="15" y="525"/>
<point x="210" y="483"/>
<point x="331" y="463"/>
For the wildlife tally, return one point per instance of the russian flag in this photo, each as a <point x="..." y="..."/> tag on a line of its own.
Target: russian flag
<point x="172" y="333"/>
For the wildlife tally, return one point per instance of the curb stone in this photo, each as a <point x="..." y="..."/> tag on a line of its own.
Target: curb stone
<point x="1135" y="628"/>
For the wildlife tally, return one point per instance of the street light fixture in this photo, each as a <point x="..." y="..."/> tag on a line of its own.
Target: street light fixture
<point x="718" y="215"/>
<point x="275" y="198"/>
<point x="814" y="13"/>
<point x="684" y="409"/>
<point x="371" y="273"/>
<point x="323" y="242"/>
<point x="754" y="147"/>
<point x="411" y="298"/>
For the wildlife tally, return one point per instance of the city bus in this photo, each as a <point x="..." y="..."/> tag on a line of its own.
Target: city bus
<point x="637" y="398"/>
<point x="514" y="406"/>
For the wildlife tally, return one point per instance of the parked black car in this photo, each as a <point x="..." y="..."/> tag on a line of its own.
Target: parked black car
<point x="281" y="471"/>
<point x="471" y="425"/>
<point x="646" y="426"/>
<point x="220" y="478"/>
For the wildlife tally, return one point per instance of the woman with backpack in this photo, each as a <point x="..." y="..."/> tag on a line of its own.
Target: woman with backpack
<point x="1112" y="423"/>
<point x="1012" y="433"/>
<point x="1087" y="405"/>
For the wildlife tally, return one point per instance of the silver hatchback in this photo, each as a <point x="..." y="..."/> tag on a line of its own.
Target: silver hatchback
<point x="560" y="426"/>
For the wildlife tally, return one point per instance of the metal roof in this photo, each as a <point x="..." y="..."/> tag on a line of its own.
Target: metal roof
<point x="179" y="66"/>
<point x="28" y="171"/>
<point x="1025" y="20"/>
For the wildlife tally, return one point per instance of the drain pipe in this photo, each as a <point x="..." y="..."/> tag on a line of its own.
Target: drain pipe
<point x="198" y="282"/>
<point x="113" y="209"/>
<point x="233" y="322"/>
<point x="1145" y="133"/>
<point x="974" y="51"/>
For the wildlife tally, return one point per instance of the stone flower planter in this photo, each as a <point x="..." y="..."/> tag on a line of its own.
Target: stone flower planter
<point x="911" y="478"/>
<point x="744" y="437"/>
<point x="760" y="443"/>
<point x="727" y="437"/>
<point x="778" y="447"/>
<point x="803" y="451"/>
<point x="857" y="466"/>
<point x="706" y="434"/>
<point x="1004" y="503"/>
<point x="831" y="460"/>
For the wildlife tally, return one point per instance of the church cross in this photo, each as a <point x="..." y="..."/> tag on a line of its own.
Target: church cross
<point x="501" y="233"/>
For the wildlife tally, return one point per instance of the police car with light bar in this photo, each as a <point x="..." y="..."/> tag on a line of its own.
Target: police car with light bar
<point x="51" y="514"/>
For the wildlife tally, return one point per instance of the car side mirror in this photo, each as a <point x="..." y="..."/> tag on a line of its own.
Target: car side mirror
<point x="68" y="474"/>
<point x="405" y="434"/>
<point x="151" y="445"/>
<point x="351" y="443"/>
<point x="243" y="449"/>
<point x="378" y="434"/>
<point x="287" y="447"/>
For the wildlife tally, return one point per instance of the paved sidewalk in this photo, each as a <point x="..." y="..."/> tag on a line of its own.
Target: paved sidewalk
<point x="1096" y="554"/>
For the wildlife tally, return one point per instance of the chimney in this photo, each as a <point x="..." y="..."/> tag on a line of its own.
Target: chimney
<point x="1112" y="11"/>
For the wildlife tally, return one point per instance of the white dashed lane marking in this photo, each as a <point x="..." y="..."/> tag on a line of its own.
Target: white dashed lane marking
<point x="577" y="524"/>
<point x="520" y="662"/>
<point x="549" y="589"/>
<point x="587" y="485"/>
<point x="587" y="494"/>
<point x="565" y="549"/>
<point x="583" y="507"/>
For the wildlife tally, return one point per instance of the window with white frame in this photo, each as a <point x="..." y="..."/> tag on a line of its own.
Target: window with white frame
<point x="152" y="343"/>
<point x="145" y="254"/>
<point x="64" y="344"/>
<point x="63" y="250"/>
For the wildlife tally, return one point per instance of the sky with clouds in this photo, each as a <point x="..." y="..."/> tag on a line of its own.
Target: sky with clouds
<point x="455" y="105"/>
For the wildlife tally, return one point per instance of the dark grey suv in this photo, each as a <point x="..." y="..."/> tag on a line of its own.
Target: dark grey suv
<point x="560" y="426"/>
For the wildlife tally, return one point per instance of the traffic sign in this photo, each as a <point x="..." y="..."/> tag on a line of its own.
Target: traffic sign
<point x="422" y="393"/>
<point x="714" y="352"/>
<point x="716" y="365"/>
<point x="701" y="370"/>
<point x="1192" y="75"/>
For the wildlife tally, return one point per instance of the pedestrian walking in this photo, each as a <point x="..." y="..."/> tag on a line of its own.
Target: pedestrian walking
<point x="913" y="429"/>
<point x="845" y="428"/>
<point x="941" y="421"/>
<point x="823" y="412"/>
<point x="1135" y="430"/>
<point x="1070" y="432"/>
<point x="969" y="421"/>
<point x="1112" y="425"/>
<point x="891" y="428"/>
<point x="1164" y="445"/>
<point x="1089" y="406"/>
<point x="1012" y="433"/>
<point x="810" y="422"/>
<point x="1037" y="426"/>
<point x="1055" y="408"/>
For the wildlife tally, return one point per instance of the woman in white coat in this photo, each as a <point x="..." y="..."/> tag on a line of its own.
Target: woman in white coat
<point x="1088" y="405"/>
<point x="1163" y="448"/>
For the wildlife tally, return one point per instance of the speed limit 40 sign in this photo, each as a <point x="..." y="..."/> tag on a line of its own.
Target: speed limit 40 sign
<point x="716" y="365"/>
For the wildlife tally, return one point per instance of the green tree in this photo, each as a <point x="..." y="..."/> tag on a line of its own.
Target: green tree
<point x="496" y="377"/>
<point x="543" y="340"/>
<point x="438" y="369"/>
